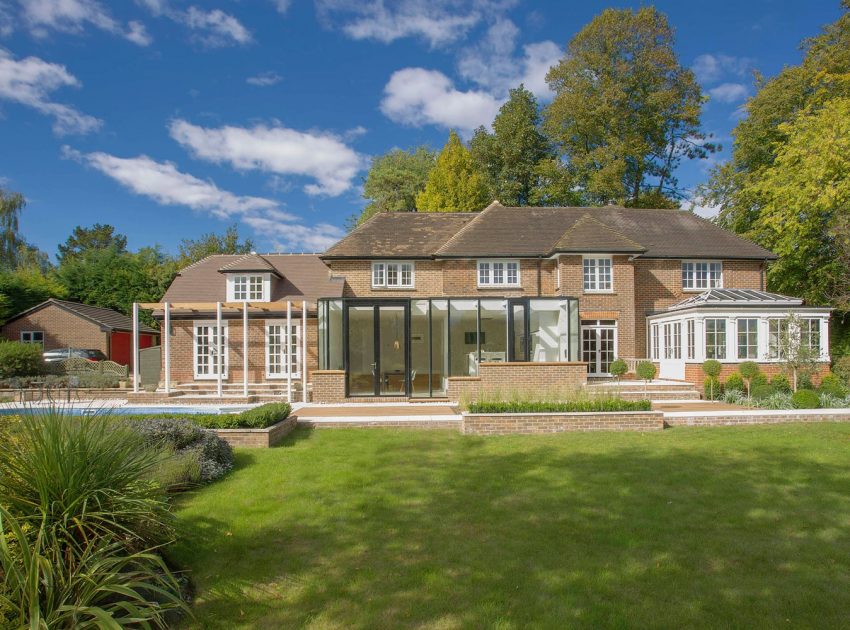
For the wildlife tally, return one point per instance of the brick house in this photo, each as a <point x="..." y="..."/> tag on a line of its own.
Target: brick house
<point x="55" y="324"/>
<point x="445" y="305"/>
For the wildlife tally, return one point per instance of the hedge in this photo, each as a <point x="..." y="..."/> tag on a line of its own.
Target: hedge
<point x="257" y="418"/>
<point x="571" y="406"/>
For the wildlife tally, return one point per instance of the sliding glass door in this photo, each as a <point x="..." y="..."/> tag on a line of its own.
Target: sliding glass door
<point x="377" y="349"/>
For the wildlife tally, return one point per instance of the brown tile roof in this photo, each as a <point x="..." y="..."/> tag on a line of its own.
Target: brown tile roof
<point x="543" y="231"/>
<point x="302" y="277"/>
<point x="248" y="262"/>
<point x="400" y="235"/>
<point x="105" y="317"/>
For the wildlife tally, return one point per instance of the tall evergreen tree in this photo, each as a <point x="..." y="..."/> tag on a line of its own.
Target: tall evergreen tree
<point x="625" y="112"/>
<point x="510" y="157"/>
<point x="86" y="239"/>
<point x="454" y="184"/>
<point x="11" y="204"/>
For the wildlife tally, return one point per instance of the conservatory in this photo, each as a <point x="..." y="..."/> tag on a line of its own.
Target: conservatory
<point x="410" y="347"/>
<point x="732" y="326"/>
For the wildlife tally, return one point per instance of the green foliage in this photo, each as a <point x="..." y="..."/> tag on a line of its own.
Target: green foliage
<point x="569" y="406"/>
<point x="761" y="392"/>
<point x="51" y="580"/>
<point x="256" y="418"/>
<point x="833" y="385"/>
<point x="805" y="399"/>
<point x="192" y="251"/>
<point x="95" y="238"/>
<point x="712" y="368"/>
<point x="11" y="204"/>
<point x="394" y="181"/>
<point x="454" y="184"/>
<point x="712" y="388"/>
<point x="759" y="379"/>
<point x="618" y="368"/>
<point x="625" y="111"/>
<point x="734" y="382"/>
<point x="780" y="383"/>
<point x="645" y="370"/>
<point x="25" y="287"/>
<point x="749" y="370"/>
<point x="841" y="368"/>
<point x="20" y="359"/>
<point x="509" y="157"/>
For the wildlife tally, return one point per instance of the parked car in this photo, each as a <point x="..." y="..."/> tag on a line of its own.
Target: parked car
<point x="60" y="354"/>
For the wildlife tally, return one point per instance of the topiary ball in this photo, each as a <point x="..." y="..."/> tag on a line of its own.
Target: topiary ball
<point x="805" y="399"/>
<point x="712" y="368"/>
<point x="645" y="370"/>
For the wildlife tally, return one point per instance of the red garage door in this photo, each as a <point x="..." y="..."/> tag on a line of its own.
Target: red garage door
<point x="121" y="346"/>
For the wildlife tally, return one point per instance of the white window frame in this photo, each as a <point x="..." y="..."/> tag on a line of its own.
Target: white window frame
<point x="673" y="340"/>
<point x="211" y="376"/>
<point x="252" y="281"/>
<point x="293" y="339"/>
<point x="654" y="342"/>
<point x="383" y="270"/>
<point x="690" y="277"/>
<point x="592" y="276"/>
<point x="724" y="347"/>
<point x="488" y="269"/>
<point x="32" y="339"/>
<point x="738" y="331"/>
<point x="691" y="342"/>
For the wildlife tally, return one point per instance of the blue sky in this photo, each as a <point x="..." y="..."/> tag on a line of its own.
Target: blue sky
<point x="169" y="119"/>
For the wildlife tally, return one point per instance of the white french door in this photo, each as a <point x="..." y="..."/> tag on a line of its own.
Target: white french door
<point x="282" y="355"/>
<point x="598" y="345"/>
<point x="206" y="351"/>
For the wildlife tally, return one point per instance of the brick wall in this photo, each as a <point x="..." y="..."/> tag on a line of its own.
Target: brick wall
<point x="761" y="416"/>
<point x="530" y="379"/>
<point x="258" y="438"/>
<point x="61" y="329"/>
<point x="504" y="424"/>
<point x="658" y="284"/>
<point x="427" y="279"/>
<point x="695" y="375"/>
<point x="329" y="386"/>
<point x="182" y="349"/>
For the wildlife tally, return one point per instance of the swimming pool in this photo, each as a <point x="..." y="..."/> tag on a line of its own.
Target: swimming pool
<point x="124" y="410"/>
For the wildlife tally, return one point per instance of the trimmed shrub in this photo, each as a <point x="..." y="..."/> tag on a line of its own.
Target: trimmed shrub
<point x="618" y="368"/>
<point x="735" y="382"/>
<point x="260" y="417"/>
<point x="711" y="388"/>
<point x="841" y="368"/>
<point x="759" y="379"/>
<point x="712" y="368"/>
<point x="749" y="370"/>
<point x="264" y="415"/>
<point x="645" y="370"/>
<point x="571" y="406"/>
<point x="832" y="385"/>
<point x="804" y="381"/>
<point x="805" y="399"/>
<point x="781" y="383"/>
<point x="20" y="359"/>
<point x="760" y="392"/>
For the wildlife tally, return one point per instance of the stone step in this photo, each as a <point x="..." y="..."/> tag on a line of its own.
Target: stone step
<point x="640" y="395"/>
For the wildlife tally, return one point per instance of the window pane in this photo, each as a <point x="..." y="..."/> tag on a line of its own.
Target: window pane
<point x="604" y="266"/>
<point x="715" y="339"/>
<point x="378" y="275"/>
<point x="498" y="273"/>
<point x="747" y="338"/>
<point x="513" y="273"/>
<point x="420" y="342"/>
<point x="439" y="346"/>
<point x="494" y="330"/>
<point x="463" y="324"/>
<point x="544" y="323"/>
<point x="392" y="275"/>
<point x="483" y="273"/>
<point x="406" y="274"/>
<point x="589" y="274"/>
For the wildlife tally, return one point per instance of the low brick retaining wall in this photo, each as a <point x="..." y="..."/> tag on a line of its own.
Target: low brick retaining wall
<point x="507" y="423"/>
<point x="756" y="416"/>
<point x="530" y="378"/>
<point x="258" y="438"/>
<point x="381" y="424"/>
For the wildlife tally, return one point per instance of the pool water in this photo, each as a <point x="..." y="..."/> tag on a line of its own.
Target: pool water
<point x="121" y="411"/>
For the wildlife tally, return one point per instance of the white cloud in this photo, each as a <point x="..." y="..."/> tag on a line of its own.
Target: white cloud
<point x="264" y="79"/>
<point x="729" y="92"/>
<point x="710" y="68"/>
<point x="699" y="206"/>
<point x="30" y="82"/>
<point x="7" y="22"/>
<point x="162" y="182"/>
<point x="276" y="149"/>
<point x="493" y="65"/>
<point x="282" y="6"/>
<point x="213" y="28"/>
<point x="289" y="235"/>
<point x="415" y="96"/>
<point x="71" y="16"/>
<point x="439" y="22"/>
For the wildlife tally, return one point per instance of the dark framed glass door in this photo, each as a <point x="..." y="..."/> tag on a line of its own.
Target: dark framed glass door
<point x="518" y="330"/>
<point x="377" y="348"/>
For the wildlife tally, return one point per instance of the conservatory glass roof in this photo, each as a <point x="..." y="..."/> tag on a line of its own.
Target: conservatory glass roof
<point x="737" y="297"/>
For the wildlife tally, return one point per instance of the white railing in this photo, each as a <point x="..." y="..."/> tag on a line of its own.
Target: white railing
<point x="632" y="364"/>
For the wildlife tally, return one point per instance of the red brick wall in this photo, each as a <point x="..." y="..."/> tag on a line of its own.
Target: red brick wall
<point x="61" y="329"/>
<point x="182" y="348"/>
<point x="695" y="375"/>
<point x="505" y="424"/>
<point x="529" y="379"/>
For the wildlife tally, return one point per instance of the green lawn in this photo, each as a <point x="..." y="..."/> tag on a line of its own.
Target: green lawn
<point x="726" y="527"/>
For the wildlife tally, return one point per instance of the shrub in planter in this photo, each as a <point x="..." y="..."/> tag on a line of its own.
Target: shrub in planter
<point x="759" y="379"/>
<point x="749" y="370"/>
<point x="711" y="387"/>
<point x="804" y="381"/>
<point x="781" y="383"/>
<point x="618" y="368"/>
<point x="760" y="392"/>
<point x="20" y="359"/>
<point x="712" y="368"/>
<point x="734" y="382"/>
<point x="805" y="399"/>
<point x="832" y="385"/>
<point x="568" y="406"/>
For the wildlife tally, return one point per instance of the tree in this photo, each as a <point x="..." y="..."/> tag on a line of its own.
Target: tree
<point x="25" y="287"/>
<point x="11" y="204"/>
<point x="509" y="157"/>
<point x="645" y="370"/>
<point x="625" y="112"/>
<point x="749" y="370"/>
<point x="798" y="357"/>
<point x="394" y="180"/>
<point x="712" y="369"/>
<point x="454" y="184"/>
<point x="228" y="243"/>
<point x="85" y="239"/>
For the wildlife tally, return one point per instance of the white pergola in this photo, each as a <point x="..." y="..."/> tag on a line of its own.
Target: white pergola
<point x="167" y="308"/>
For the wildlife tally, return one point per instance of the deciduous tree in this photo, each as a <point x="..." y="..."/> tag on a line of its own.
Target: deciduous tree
<point x="454" y="184"/>
<point x="86" y="239"/>
<point x="228" y="243"/>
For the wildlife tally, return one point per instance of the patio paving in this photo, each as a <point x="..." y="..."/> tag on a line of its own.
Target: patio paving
<point x="374" y="411"/>
<point x="697" y="405"/>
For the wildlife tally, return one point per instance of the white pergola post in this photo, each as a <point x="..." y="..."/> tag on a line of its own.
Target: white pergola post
<point x="166" y="342"/>
<point x="304" y="351"/>
<point x="219" y="354"/>
<point x="135" y="347"/>
<point x="245" y="349"/>
<point x="287" y="338"/>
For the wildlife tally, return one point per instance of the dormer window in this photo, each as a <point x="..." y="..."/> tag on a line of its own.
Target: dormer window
<point x="248" y="287"/>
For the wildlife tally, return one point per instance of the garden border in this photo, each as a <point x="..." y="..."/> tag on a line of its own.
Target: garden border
<point x="258" y="438"/>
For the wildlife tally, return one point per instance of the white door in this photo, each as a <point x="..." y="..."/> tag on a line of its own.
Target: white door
<point x="282" y="354"/>
<point x="672" y="364"/>
<point x="599" y="345"/>
<point x="207" y="351"/>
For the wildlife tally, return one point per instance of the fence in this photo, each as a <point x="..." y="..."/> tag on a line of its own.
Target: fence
<point x="76" y="366"/>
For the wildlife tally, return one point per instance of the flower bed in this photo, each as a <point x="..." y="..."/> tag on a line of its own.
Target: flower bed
<point x="260" y="417"/>
<point x="582" y="405"/>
